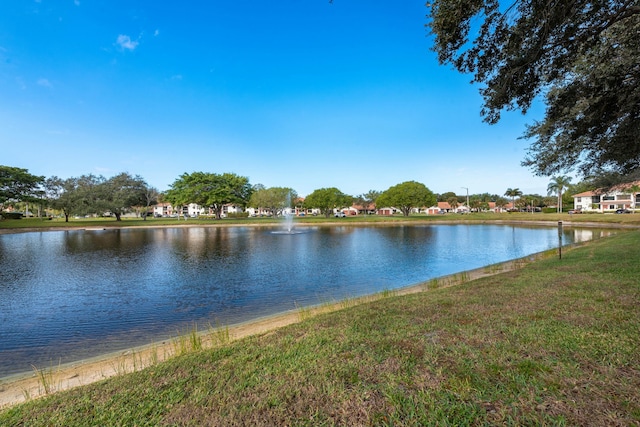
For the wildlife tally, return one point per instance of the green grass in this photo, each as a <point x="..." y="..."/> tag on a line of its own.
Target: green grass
<point x="37" y="223"/>
<point x="554" y="343"/>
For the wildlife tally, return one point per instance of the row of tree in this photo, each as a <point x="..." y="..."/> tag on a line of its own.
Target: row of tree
<point x="216" y="190"/>
<point x="91" y="194"/>
<point x="122" y="193"/>
<point x="76" y="196"/>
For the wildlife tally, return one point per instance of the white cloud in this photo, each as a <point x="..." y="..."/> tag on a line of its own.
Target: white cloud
<point x="156" y="33"/>
<point x="126" y="43"/>
<point x="44" y="82"/>
<point x="103" y="170"/>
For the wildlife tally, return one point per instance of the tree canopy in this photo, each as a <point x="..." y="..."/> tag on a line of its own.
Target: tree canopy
<point x="64" y="195"/>
<point x="91" y="194"/>
<point x="327" y="199"/>
<point x="406" y="196"/>
<point x="273" y="199"/>
<point x="17" y="184"/>
<point x="367" y="200"/>
<point x="121" y="192"/>
<point x="581" y="55"/>
<point x="210" y="190"/>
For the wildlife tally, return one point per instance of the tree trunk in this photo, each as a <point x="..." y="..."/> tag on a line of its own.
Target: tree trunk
<point x="118" y="217"/>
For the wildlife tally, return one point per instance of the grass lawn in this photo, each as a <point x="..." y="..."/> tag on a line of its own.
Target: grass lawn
<point x="59" y="223"/>
<point x="554" y="343"/>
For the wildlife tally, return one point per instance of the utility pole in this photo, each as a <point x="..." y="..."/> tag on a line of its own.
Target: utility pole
<point x="559" y="239"/>
<point x="468" y="207"/>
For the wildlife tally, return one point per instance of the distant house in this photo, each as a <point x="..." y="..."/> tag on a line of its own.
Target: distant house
<point x="163" y="209"/>
<point x="227" y="209"/>
<point x="350" y="211"/>
<point x="439" y="208"/>
<point x="193" y="210"/>
<point x="445" y="207"/>
<point x="432" y="210"/>
<point x="499" y="209"/>
<point x="609" y="200"/>
<point x="387" y="211"/>
<point x="312" y="211"/>
<point x="258" y="212"/>
<point x="364" y="210"/>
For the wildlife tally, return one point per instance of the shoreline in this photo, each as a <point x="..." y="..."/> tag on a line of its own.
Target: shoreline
<point x="462" y="221"/>
<point x="19" y="388"/>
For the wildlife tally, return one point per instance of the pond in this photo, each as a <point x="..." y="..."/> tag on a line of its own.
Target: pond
<point x="71" y="295"/>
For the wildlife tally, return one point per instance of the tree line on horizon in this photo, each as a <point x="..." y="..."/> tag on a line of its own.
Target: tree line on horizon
<point x="123" y="193"/>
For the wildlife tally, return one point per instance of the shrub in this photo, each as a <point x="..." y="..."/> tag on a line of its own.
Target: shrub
<point x="238" y="215"/>
<point x="12" y="215"/>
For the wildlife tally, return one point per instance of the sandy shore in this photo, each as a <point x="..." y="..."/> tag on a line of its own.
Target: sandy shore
<point x="18" y="389"/>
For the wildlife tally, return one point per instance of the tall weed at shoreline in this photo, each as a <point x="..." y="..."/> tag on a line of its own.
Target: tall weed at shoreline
<point x="219" y="334"/>
<point x="45" y="379"/>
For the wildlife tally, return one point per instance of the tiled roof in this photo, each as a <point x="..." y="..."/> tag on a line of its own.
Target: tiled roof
<point x="615" y="188"/>
<point x="585" y="194"/>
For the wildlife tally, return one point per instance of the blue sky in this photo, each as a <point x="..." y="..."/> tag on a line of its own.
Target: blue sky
<point x="302" y="94"/>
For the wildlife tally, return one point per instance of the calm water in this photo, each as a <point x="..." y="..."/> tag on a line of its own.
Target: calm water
<point x="70" y="295"/>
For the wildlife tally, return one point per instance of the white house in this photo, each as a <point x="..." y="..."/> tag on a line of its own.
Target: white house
<point x="444" y="207"/>
<point x="229" y="209"/>
<point x="350" y="211"/>
<point x="387" y="211"/>
<point x="258" y="212"/>
<point x="192" y="210"/>
<point x="617" y="197"/>
<point x="163" y="209"/>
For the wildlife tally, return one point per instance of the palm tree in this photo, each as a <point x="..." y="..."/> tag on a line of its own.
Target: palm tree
<point x="453" y="202"/>
<point x="475" y="204"/>
<point x="557" y="186"/>
<point x="513" y="193"/>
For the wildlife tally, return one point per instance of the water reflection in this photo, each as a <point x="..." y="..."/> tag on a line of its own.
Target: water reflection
<point x="74" y="294"/>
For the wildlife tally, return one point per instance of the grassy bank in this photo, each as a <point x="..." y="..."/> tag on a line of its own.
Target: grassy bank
<point x="554" y="343"/>
<point x="29" y="224"/>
